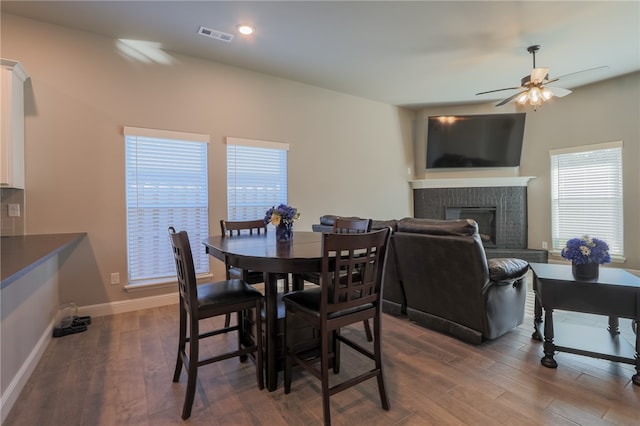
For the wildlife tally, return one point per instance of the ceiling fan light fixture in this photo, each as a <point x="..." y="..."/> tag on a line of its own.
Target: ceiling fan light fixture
<point x="546" y="94"/>
<point x="535" y="97"/>
<point x="522" y="99"/>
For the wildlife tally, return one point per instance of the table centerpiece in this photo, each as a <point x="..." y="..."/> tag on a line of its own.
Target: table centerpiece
<point x="586" y="255"/>
<point x="282" y="217"/>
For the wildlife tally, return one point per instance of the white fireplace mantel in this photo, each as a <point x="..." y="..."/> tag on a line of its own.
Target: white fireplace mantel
<point x="471" y="182"/>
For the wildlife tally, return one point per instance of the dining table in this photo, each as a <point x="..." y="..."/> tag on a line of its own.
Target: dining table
<point x="262" y="252"/>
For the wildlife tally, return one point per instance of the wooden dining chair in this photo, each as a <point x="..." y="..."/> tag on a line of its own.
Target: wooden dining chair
<point x="198" y="302"/>
<point x="343" y="298"/>
<point x="230" y="228"/>
<point x="346" y="226"/>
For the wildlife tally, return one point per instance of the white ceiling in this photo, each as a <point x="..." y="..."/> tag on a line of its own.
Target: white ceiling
<point x="410" y="54"/>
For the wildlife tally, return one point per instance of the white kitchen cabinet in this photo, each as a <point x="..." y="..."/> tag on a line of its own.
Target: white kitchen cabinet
<point x="12" y="143"/>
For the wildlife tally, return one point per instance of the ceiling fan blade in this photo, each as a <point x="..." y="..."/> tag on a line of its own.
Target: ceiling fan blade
<point x="573" y="74"/>
<point x="539" y="74"/>
<point x="559" y="92"/>
<point x="510" y="98"/>
<point x="498" y="90"/>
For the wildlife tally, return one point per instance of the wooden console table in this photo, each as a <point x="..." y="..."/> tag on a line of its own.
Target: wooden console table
<point x="616" y="294"/>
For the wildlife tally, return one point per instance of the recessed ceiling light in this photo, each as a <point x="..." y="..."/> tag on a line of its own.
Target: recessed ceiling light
<point x="245" y="29"/>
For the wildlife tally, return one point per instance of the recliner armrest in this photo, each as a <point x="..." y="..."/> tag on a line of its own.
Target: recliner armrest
<point x="507" y="269"/>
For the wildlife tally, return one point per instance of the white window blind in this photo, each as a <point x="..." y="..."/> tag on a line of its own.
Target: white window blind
<point x="256" y="177"/>
<point x="587" y="195"/>
<point x="166" y="179"/>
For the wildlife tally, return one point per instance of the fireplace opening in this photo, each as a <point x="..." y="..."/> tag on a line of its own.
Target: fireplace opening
<point x="484" y="216"/>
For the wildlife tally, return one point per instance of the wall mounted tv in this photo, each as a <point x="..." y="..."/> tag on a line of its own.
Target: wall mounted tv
<point x="462" y="141"/>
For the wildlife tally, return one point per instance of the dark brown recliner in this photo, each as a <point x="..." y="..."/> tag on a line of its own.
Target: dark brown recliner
<point x="448" y="283"/>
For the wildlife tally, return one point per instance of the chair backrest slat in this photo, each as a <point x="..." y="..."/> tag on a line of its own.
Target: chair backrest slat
<point x="230" y="228"/>
<point x="353" y="266"/>
<point x="343" y="225"/>
<point x="185" y="269"/>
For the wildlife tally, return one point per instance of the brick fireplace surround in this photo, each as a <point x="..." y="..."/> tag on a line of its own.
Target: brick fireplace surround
<point x="507" y="195"/>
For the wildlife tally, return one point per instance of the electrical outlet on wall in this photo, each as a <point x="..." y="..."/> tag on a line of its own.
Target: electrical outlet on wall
<point x="115" y="278"/>
<point x="545" y="245"/>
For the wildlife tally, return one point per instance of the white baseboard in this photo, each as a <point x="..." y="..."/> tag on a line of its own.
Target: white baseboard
<point x="123" y="306"/>
<point x="10" y="395"/>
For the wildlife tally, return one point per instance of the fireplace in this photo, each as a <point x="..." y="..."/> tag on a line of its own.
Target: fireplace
<point x="499" y="205"/>
<point x="484" y="216"/>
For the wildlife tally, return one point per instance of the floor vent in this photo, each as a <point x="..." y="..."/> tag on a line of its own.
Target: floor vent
<point x="218" y="35"/>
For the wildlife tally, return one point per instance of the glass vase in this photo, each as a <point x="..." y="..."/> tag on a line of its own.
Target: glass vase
<point x="284" y="232"/>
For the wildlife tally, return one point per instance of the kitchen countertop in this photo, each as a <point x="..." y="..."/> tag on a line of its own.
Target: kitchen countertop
<point x="22" y="253"/>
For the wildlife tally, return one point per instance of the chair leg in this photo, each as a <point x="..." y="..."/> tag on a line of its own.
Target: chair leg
<point x="336" y="351"/>
<point x="258" y="342"/>
<point x="377" y="348"/>
<point x="324" y="376"/>
<point x="367" y="330"/>
<point x="242" y="332"/>
<point x="288" y="360"/>
<point x="182" y="337"/>
<point x="192" y="368"/>
<point x="227" y="317"/>
<point x="384" y="401"/>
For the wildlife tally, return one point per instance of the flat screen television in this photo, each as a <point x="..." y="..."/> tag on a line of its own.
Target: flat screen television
<point x="487" y="140"/>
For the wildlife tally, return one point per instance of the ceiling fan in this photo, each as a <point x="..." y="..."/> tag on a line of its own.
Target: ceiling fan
<point x="533" y="88"/>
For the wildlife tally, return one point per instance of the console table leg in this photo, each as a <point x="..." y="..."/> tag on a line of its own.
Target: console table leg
<point x="549" y="347"/>
<point x="614" y="326"/>
<point x="636" y="377"/>
<point x="537" y="319"/>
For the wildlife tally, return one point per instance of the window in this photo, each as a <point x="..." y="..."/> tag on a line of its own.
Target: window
<point x="256" y="177"/>
<point x="166" y="179"/>
<point x="587" y="195"/>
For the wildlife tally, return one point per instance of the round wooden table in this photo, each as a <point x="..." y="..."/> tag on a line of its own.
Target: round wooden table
<point x="261" y="252"/>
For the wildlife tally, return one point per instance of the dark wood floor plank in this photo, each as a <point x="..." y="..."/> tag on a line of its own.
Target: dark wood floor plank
<point x="489" y="406"/>
<point x="576" y="414"/>
<point x="119" y="372"/>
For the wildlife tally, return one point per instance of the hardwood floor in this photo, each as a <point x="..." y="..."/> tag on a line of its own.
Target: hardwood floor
<point x="119" y="372"/>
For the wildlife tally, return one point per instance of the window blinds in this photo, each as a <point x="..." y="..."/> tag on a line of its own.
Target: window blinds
<point x="166" y="179"/>
<point x="587" y="195"/>
<point x="256" y="177"/>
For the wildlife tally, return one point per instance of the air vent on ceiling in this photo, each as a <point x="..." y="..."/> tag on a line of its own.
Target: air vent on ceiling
<point x="218" y="35"/>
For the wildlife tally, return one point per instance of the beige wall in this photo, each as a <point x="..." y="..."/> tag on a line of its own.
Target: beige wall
<point x="82" y="91"/>
<point x="602" y="112"/>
